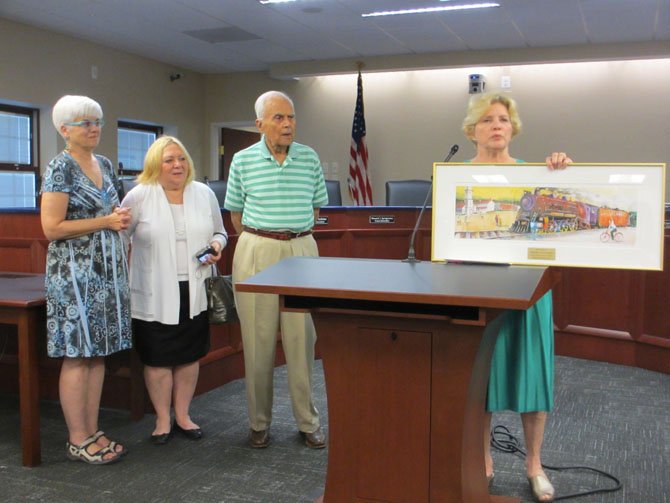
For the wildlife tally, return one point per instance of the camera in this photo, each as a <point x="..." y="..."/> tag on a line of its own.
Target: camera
<point x="201" y="255"/>
<point x="477" y="83"/>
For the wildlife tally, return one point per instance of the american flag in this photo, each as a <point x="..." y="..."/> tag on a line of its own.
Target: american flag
<point x="359" y="182"/>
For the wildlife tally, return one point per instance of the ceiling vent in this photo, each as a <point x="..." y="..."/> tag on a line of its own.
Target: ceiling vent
<point x="222" y="35"/>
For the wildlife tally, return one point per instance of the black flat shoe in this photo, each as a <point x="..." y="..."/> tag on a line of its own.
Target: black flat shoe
<point x="161" y="438"/>
<point x="193" y="434"/>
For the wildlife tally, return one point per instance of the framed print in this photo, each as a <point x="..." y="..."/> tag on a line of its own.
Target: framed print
<point x="588" y="215"/>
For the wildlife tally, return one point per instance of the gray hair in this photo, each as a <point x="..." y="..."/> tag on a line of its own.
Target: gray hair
<point x="263" y="98"/>
<point x="69" y="107"/>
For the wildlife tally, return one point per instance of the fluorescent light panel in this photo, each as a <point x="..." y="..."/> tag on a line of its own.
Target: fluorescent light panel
<point x="424" y="10"/>
<point x="276" y="1"/>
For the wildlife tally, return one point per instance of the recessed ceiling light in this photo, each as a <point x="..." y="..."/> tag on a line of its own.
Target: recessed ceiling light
<point x="424" y="10"/>
<point x="276" y="1"/>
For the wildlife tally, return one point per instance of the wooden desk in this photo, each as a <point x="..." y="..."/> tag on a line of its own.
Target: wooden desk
<point x="406" y="352"/>
<point x="22" y="302"/>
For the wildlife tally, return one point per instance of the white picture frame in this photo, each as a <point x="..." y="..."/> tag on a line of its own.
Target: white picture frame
<point x="588" y="215"/>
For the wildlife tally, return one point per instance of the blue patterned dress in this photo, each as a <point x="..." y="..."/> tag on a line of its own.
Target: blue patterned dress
<point x="88" y="298"/>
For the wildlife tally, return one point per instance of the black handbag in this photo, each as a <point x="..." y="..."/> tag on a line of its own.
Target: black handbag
<point x="220" y="298"/>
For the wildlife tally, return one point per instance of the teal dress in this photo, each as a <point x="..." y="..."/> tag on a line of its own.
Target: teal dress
<point x="522" y="364"/>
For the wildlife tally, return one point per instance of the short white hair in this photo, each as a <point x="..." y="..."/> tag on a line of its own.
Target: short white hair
<point x="69" y="107"/>
<point x="259" y="107"/>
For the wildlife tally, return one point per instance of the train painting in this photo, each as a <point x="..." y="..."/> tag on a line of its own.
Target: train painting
<point x="503" y="212"/>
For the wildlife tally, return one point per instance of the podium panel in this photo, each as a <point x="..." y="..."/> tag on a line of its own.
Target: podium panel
<point x="405" y="418"/>
<point x="378" y="409"/>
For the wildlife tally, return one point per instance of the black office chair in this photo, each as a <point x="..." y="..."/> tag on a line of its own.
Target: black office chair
<point x="334" y="193"/>
<point x="126" y="182"/>
<point x="219" y="187"/>
<point x="407" y="192"/>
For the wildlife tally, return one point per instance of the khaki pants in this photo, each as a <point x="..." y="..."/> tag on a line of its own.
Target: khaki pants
<point x="260" y="319"/>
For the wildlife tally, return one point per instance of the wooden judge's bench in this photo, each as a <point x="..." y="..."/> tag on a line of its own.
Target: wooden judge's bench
<point x="607" y="315"/>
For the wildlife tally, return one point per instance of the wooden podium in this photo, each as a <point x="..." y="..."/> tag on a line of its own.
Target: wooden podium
<point x="406" y="350"/>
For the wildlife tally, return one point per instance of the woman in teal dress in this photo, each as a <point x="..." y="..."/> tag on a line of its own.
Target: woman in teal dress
<point x="87" y="294"/>
<point x="522" y="365"/>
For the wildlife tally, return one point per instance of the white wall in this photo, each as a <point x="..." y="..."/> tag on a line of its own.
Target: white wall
<point x="37" y="67"/>
<point x="614" y="111"/>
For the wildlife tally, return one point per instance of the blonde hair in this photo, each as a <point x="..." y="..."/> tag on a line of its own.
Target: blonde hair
<point x="480" y="103"/>
<point x="69" y="107"/>
<point x="153" y="161"/>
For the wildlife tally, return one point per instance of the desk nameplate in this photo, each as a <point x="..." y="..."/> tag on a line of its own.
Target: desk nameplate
<point x="381" y="219"/>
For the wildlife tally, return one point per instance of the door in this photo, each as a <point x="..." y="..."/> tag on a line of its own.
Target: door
<point x="233" y="140"/>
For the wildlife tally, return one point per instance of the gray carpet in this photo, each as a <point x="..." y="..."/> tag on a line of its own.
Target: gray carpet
<point x="611" y="417"/>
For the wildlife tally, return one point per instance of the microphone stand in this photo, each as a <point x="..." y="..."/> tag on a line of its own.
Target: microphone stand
<point x="411" y="254"/>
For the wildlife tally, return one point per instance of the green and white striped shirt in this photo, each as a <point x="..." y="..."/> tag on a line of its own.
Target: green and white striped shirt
<point x="274" y="197"/>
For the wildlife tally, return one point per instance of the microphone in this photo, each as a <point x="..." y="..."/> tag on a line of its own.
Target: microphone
<point x="411" y="255"/>
<point x="452" y="151"/>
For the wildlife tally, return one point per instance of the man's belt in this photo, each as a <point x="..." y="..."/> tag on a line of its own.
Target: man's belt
<point x="280" y="235"/>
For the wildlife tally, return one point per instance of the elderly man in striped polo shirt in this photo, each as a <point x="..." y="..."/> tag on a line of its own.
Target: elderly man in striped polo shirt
<point x="275" y="190"/>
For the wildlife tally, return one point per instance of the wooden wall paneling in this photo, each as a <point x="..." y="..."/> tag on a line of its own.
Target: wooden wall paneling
<point x="23" y="245"/>
<point x="653" y="353"/>
<point x="597" y="299"/>
<point x="657" y="301"/>
<point x="422" y="244"/>
<point x="384" y="243"/>
<point x="338" y="218"/>
<point x="591" y="314"/>
<point x="38" y="255"/>
<point x="331" y="243"/>
<point x="23" y="254"/>
<point x="24" y="225"/>
<point x="16" y="256"/>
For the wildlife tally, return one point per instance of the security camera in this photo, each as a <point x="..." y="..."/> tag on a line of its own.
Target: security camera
<point x="175" y="76"/>
<point x="477" y="83"/>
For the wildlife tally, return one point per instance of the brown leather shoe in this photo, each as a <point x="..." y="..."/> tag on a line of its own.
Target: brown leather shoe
<point x="314" y="440"/>
<point x="259" y="439"/>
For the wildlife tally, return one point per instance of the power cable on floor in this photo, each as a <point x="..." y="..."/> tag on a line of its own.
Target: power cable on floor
<point x="502" y="440"/>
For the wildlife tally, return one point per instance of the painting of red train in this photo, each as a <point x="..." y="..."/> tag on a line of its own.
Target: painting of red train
<point x="604" y="215"/>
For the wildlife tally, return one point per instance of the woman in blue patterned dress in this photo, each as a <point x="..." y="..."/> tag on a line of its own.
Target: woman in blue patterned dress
<point x="522" y="365"/>
<point x="88" y="306"/>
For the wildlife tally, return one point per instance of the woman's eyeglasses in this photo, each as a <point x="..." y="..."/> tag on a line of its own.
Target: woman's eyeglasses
<point x="87" y="123"/>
